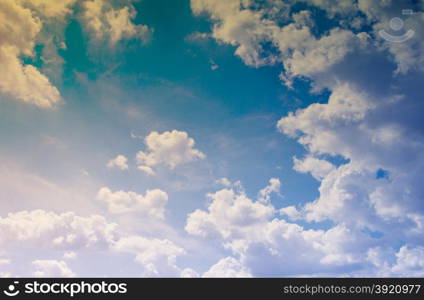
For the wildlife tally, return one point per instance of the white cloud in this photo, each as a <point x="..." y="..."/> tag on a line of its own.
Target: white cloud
<point x="250" y="25"/>
<point x="26" y="190"/>
<point x="55" y="231"/>
<point x="359" y="124"/>
<point x="409" y="262"/>
<point x="273" y="187"/>
<point x="52" y="268"/>
<point x="151" y="204"/>
<point x="225" y="182"/>
<point x="120" y="162"/>
<point x="197" y="36"/>
<point x="353" y="125"/>
<point x="147" y="170"/>
<point x="20" y="81"/>
<point x="49" y="9"/>
<point x="74" y="235"/>
<point x="340" y="7"/>
<point x="4" y="262"/>
<point x="227" y="214"/>
<point x="25" y="24"/>
<point x="408" y="55"/>
<point x="313" y="56"/>
<point x="170" y="148"/>
<point x="268" y="246"/>
<point x="228" y="267"/>
<point x="318" y="168"/>
<point x="372" y="124"/>
<point x="291" y="212"/>
<point x="105" y="22"/>
<point x="157" y="257"/>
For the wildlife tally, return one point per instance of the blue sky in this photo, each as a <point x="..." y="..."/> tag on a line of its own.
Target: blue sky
<point x="211" y="138"/>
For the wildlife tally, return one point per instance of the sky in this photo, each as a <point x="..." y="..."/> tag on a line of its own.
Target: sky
<point x="211" y="138"/>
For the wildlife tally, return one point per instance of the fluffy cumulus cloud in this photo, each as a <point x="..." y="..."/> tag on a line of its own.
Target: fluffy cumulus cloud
<point x="49" y="9"/>
<point x="273" y="187"/>
<point x="229" y="214"/>
<point x="120" y="162"/>
<point x="69" y="255"/>
<point x="70" y="235"/>
<point x="373" y="140"/>
<point x="39" y="228"/>
<point x="112" y="24"/>
<point x="409" y="55"/>
<point x="409" y="262"/>
<point x="250" y="25"/>
<point x="364" y="145"/>
<point x="52" y="268"/>
<point x="265" y="245"/>
<point x="319" y="168"/>
<point x="157" y="257"/>
<point x="170" y="148"/>
<point x="151" y="204"/>
<point x="228" y="267"/>
<point x="19" y="28"/>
